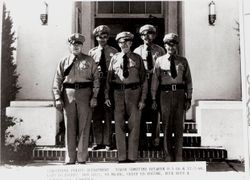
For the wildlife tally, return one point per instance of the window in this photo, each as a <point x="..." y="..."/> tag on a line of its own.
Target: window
<point x="129" y="8"/>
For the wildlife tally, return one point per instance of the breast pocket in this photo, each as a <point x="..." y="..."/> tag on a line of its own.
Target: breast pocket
<point x="180" y="69"/>
<point x="85" y="70"/>
<point x="134" y="72"/>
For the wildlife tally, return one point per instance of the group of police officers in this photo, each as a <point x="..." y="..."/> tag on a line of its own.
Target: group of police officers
<point x="146" y="85"/>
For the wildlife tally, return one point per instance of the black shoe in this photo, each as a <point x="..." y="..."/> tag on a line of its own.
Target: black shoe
<point x="126" y="161"/>
<point x="130" y="161"/>
<point x="97" y="147"/>
<point x="83" y="162"/>
<point x="112" y="147"/>
<point x="123" y="161"/>
<point x="69" y="163"/>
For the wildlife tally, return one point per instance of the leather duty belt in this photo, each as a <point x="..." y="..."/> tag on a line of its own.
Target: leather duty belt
<point x="117" y="86"/>
<point x="102" y="75"/>
<point x="78" y="85"/>
<point x="148" y="75"/>
<point x="172" y="87"/>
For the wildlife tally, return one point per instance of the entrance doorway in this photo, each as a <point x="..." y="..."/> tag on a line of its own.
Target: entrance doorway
<point x="132" y="25"/>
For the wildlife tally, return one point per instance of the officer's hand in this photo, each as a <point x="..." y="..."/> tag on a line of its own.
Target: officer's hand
<point x="187" y="104"/>
<point x="154" y="105"/>
<point x="93" y="102"/>
<point x="108" y="103"/>
<point x="59" y="104"/>
<point x="141" y="105"/>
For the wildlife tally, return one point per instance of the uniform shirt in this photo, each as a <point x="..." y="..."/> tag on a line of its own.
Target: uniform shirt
<point x="96" y="53"/>
<point x="156" y="52"/>
<point x="137" y="72"/>
<point x="84" y="69"/>
<point x="162" y="74"/>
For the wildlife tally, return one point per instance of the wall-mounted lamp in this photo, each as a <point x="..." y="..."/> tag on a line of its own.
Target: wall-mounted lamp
<point x="44" y="13"/>
<point x="212" y="13"/>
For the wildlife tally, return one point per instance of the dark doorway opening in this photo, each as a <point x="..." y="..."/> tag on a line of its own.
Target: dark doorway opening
<point x="132" y="25"/>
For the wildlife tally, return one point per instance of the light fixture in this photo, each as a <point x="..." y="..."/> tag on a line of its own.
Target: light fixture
<point x="212" y="13"/>
<point x="44" y="13"/>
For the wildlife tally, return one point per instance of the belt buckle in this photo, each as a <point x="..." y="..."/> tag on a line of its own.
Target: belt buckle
<point x="122" y="87"/>
<point x="173" y="87"/>
<point x="77" y="86"/>
<point x="100" y="74"/>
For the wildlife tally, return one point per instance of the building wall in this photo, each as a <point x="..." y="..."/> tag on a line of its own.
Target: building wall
<point x="245" y="46"/>
<point x="246" y="40"/>
<point x="39" y="47"/>
<point x="213" y="51"/>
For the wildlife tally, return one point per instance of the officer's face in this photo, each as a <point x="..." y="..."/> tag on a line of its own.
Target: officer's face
<point x="171" y="49"/>
<point x="76" y="48"/>
<point x="125" y="44"/>
<point x="102" y="39"/>
<point x="148" y="37"/>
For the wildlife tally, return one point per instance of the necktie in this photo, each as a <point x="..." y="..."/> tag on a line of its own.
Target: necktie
<point x="66" y="72"/>
<point x="149" y="58"/>
<point x="102" y="62"/>
<point x="172" y="67"/>
<point x="125" y="66"/>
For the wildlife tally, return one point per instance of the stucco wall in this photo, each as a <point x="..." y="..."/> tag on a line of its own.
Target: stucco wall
<point x="245" y="47"/>
<point x="39" y="47"/>
<point x="246" y="30"/>
<point x="213" y="51"/>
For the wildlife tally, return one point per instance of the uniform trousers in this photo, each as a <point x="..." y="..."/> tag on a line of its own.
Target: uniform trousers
<point x="172" y="112"/>
<point x="102" y="132"/>
<point x="126" y="107"/>
<point x="149" y="115"/>
<point x="77" y="116"/>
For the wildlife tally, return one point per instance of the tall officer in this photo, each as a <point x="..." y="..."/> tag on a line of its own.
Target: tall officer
<point x="102" y="55"/>
<point x="127" y="77"/>
<point x="75" y="87"/>
<point x="172" y="76"/>
<point x="149" y="52"/>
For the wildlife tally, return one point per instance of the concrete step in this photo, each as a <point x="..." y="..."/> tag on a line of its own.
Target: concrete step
<point x="189" y="126"/>
<point x="34" y="104"/>
<point x="189" y="154"/>
<point x="189" y="140"/>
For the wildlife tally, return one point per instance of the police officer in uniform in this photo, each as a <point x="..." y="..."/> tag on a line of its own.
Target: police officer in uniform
<point x="173" y="78"/>
<point x="75" y="88"/>
<point x="102" y="55"/>
<point x="127" y="77"/>
<point x="149" y="52"/>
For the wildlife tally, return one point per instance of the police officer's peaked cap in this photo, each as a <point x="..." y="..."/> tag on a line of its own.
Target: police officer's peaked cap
<point x="147" y="27"/>
<point x="102" y="29"/>
<point x="76" y="38"/>
<point x="171" y="39"/>
<point x="124" y="35"/>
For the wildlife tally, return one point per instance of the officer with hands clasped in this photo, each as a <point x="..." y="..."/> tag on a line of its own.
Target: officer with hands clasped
<point x="75" y="88"/>
<point x="127" y="78"/>
<point x="149" y="52"/>
<point x="173" y="78"/>
<point x="102" y="54"/>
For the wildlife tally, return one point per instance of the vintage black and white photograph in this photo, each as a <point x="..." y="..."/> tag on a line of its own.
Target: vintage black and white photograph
<point x="124" y="89"/>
